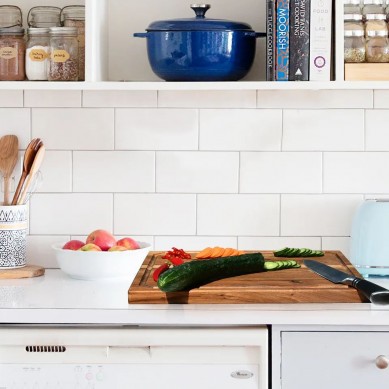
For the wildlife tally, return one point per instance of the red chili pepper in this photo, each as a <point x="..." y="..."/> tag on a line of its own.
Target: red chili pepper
<point x="159" y="270"/>
<point x="175" y="261"/>
<point x="176" y="253"/>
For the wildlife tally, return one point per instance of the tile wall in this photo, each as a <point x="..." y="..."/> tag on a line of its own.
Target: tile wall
<point x="247" y="169"/>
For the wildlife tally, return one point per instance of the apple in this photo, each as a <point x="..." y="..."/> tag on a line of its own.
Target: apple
<point x="128" y="243"/>
<point x="73" y="245"/>
<point x="89" y="247"/>
<point x="117" y="248"/>
<point x="104" y="239"/>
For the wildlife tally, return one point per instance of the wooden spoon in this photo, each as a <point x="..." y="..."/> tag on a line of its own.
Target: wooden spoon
<point x="34" y="170"/>
<point x="9" y="148"/>
<point x="29" y="156"/>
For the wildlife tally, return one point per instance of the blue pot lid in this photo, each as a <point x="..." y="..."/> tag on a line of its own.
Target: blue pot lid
<point x="199" y="23"/>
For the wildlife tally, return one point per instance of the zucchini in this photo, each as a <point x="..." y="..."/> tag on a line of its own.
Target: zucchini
<point x="296" y="252"/>
<point x="196" y="273"/>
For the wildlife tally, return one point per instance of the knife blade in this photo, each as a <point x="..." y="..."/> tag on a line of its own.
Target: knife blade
<point x="375" y="293"/>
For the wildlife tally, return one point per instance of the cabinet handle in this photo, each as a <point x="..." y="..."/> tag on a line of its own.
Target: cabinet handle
<point x="382" y="361"/>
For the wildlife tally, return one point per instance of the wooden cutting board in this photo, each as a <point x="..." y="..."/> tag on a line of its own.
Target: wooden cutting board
<point x="27" y="271"/>
<point x="276" y="287"/>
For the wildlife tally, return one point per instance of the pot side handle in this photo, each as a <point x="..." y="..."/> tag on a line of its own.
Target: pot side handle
<point x="141" y="34"/>
<point x="260" y="34"/>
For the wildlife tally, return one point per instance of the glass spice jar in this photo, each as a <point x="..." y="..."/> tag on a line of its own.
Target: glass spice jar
<point x="37" y="53"/>
<point x="10" y="16"/>
<point x="74" y="16"/>
<point x="12" y="54"/>
<point x="353" y="22"/>
<point x="373" y="7"/>
<point x="44" y="17"/>
<point x="63" y="59"/>
<point x="376" y="22"/>
<point x="377" y="47"/>
<point x="352" y="7"/>
<point x="354" y="46"/>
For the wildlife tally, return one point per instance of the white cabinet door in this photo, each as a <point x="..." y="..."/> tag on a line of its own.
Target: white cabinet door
<point x="333" y="360"/>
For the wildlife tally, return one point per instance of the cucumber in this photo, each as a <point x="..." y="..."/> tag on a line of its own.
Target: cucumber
<point x="196" y="273"/>
<point x="288" y="252"/>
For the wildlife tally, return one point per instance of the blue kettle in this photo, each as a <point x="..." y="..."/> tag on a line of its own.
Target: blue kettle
<point x="370" y="238"/>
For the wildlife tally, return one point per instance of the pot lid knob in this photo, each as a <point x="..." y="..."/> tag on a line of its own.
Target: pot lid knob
<point x="200" y="9"/>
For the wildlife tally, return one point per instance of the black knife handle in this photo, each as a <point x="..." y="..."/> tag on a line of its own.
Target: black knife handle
<point x="375" y="293"/>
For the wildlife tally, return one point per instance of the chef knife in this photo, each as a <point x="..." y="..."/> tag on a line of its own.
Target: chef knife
<point x="375" y="293"/>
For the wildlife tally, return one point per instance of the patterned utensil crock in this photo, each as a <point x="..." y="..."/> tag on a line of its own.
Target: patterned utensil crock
<point x="13" y="233"/>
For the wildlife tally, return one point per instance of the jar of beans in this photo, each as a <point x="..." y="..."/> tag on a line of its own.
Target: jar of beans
<point x="12" y="54"/>
<point x="377" y="46"/>
<point x="74" y="16"/>
<point x="63" y="60"/>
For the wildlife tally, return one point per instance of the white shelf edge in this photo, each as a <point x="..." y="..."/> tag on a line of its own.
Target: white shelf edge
<point x="193" y="86"/>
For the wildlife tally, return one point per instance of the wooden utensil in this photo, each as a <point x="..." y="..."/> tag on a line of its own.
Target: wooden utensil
<point x="9" y="148"/>
<point x="29" y="156"/>
<point x="36" y="164"/>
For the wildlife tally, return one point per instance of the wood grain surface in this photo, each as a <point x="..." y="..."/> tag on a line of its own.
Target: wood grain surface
<point x="27" y="271"/>
<point x="283" y="286"/>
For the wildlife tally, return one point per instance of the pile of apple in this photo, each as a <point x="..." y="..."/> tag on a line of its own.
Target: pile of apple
<point x="101" y="240"/>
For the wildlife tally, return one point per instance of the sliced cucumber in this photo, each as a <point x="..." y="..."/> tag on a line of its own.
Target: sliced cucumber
<point x="289" y="252"/>
<point x="281" y="264"/>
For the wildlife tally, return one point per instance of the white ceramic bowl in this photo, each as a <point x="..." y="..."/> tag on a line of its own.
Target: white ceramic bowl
<point x="101" y="265"/>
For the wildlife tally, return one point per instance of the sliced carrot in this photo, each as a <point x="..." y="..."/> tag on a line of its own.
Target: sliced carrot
<point x="236" y="252"/>
<point x="228" y="252"/>
<point x="204" y="253"/>
<point x="217" y="252"/>
<point x="241" y="252"/>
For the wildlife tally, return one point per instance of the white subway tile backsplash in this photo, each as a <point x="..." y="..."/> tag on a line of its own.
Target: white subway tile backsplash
<point x="238" y="215"/>
<point x="356" y="172"/>
<point x="52" y="98"/>
<point x="240" y="129"/>
<point x="318" y="215"/>
<point x="207" y="99"/>
<point x="197" y="172"/>
<point x="381" y="98"/>
<point x="155" y="214"/>
<point x="114" y="171"/>
<point x="16" y="121"/>
<point x="377" y="134"/>
<point x="40" y="252"/>
<point x="193" y="243"/>
<point x="56" y="172"/>
<point x="275" y="172"/>
<point x="337" y="243"/>
<point x="304" y="99"/>
<point x="122" y="98"/>
<point x="156" y="129"/>
<point x="80" y="214"/>
<point x="74" y="128"/>
<point x="323" y="130"/>
<point x="278" y="242"/>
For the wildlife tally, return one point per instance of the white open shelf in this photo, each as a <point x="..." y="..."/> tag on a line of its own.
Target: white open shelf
<point x="115" y="60"/>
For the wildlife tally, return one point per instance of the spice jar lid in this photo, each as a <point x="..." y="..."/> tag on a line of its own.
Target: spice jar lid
<point x="199" y="23"/>
<point x="375" y="17"/>
<point x="74" y="12"/>
<point x="352" y="17"/>
<point x="63" y="31"/>
<point x="12" y="31"/>
<point x="44" y="16"/>
<point x="37" y="31"/>
<point x="10" y="16"/>
<point x="357" y="32"/>
<point x="380" y="33"/>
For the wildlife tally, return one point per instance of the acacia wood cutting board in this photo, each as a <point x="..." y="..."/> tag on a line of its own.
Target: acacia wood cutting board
<point x="281" y="286"/>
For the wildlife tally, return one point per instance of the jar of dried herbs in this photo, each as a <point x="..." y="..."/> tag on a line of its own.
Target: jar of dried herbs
<point x="12" y="54"/>
<point x="377" y="46"/>
<point x="74" y="16"/>
<point x="354" y="46"/>
<point x="63" y="54"/>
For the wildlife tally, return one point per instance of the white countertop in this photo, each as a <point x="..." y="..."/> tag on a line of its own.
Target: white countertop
<point x="56" y="298"/>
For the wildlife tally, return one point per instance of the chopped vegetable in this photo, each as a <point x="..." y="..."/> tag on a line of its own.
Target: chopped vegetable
<point x="289" y="252"/>
<point x="216" y="252"/>
<point x="159" y="270"/>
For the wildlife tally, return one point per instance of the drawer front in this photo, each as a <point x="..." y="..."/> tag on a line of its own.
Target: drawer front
<point x="334" y="360"/>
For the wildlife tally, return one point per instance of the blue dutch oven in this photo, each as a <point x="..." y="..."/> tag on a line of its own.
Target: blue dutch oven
<point x="200" y="49"/>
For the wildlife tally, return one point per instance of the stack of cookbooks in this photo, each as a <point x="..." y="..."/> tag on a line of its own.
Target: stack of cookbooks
<point x="299" y="43"/>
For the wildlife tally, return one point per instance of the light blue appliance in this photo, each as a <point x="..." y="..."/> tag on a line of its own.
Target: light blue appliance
<point x="370" y="238"/>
